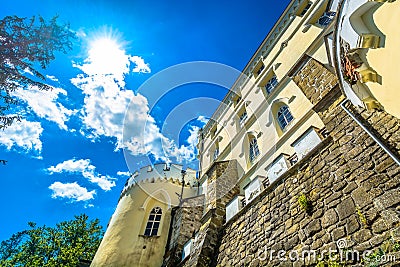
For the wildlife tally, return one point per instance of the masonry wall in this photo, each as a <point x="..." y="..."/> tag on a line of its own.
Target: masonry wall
<point x="185" y="221"/>
<point x="351" y="184"/>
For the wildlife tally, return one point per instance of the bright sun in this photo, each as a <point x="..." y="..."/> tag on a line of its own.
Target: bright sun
<point x="104" y="49"/>
<point x="106" y="56"/>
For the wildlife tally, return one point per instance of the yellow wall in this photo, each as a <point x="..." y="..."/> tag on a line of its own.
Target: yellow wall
<point x="302" y="37"/>
<point x="123" y="243"/>
<point x="384" y="60"/>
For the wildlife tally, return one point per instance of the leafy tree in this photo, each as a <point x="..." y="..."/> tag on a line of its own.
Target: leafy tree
<point x="63" y="245"/>
<point x="25" y="45"/>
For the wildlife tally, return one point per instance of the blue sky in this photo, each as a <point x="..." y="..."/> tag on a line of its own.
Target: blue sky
<point x="67" y="155"/>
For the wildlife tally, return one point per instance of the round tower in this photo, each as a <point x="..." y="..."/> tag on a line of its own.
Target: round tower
<point x="138" y="230"/>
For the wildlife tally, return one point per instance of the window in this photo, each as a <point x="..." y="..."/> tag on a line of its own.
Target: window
<point x="216" y="151"/>
<point x="187" y="247"/>
<point x="242" y="118"/>
<point x="326" y="18"/>
<point x="154" y="222"/>
<point x="284" y="116"/>
<point x="306" y="8"/>
<point x="254" y="151"/>
<point x="236" y="100"/>
<point x="271" y="84"/>
<point x="260" y="69"/>
<point x="167" y="167"/>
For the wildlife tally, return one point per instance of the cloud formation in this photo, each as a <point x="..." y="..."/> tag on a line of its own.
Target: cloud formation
<point x="86" y="169"/>
<point x="24" y="134"/>
<point x="120" y="173"/>
<point x="72" y="191"/>
<point x="46" y="104"/>
<point x="111" y="110"/>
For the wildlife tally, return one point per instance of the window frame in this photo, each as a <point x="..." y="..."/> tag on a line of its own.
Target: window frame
<point x="254" y="150"/>
<point x="243" y="117"/>
<point x="216" y="152"/>
<point x="284" y="117"/>
<point x="272" y="83"/>
<point x="153" y="222"/>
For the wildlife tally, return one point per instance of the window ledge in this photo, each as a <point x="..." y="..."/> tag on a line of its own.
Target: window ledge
<point x="147" y="236"/>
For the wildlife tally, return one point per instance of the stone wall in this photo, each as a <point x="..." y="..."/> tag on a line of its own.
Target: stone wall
<point x="186" y="220"/>
<point x="207" y="211"/>
<point x="351" y="188"/>
<point x="343" y="196"/>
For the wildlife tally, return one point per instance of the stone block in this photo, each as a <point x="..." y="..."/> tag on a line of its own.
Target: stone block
<point x="388" y="199"/>
<point x="338" y="233"/>
<point x="362" y="235"/>
<point x="313" y="227"/>
<point x="346" y="208"/>
<point x="330" y="217"/>
<point x="361" y="198"/>
<point x="352" y="225"/>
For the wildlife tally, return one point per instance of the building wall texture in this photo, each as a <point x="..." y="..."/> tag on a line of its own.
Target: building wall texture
<point x="350" y="182"/>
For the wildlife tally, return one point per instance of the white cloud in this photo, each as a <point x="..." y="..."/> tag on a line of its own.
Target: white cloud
<point x="141" y="66"/>
<point x="24" y="134"/>
<point x="27" y="70"/>
<point x="203" y="120"/>
<point x="46" y="104"/>
<point x="120" y="173"/>
<point x="72" y="191"/>
<point x="106" y="101"/>
<point x="87" y="170"/>
<point x="188" y="152"/>
<point x="51" y="77"/>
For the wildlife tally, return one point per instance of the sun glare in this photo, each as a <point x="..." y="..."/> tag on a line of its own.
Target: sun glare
<point x="104" y="49"/>
<point x="106" y="56"/>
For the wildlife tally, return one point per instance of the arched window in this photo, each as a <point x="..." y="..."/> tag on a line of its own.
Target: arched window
<point x="154" y="222"/>
<point x="284" y="116"/>
<point x="254" y="151"/>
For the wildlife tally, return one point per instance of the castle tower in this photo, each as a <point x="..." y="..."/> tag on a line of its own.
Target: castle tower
<point x="138" y="230"/>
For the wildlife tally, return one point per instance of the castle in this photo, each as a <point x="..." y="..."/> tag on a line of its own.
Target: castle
<point x="301" y="157"/>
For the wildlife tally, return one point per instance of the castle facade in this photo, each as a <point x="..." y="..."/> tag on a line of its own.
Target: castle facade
<point x="301" y="157"/>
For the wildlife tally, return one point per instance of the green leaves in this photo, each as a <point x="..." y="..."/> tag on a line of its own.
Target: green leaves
<point x="62" y="245"/>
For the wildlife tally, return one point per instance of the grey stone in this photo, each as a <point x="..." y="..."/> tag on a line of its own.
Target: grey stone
<point x="352" y="225"/>
<point x="362" y="235"/>
<point x="388" y="199"/>
<point x="361" y="198"/>
<point x="338" y="233"/>
<point x="345" y="208"/>
<point x="330" y="217"/>
<point x="379" y="226"/>
<point x="313" y="227"/>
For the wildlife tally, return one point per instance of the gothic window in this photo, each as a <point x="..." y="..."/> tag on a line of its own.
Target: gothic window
<point x="154" y="222"/>
<point x="254" y="151"/>
<point x="284" y="116"/>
